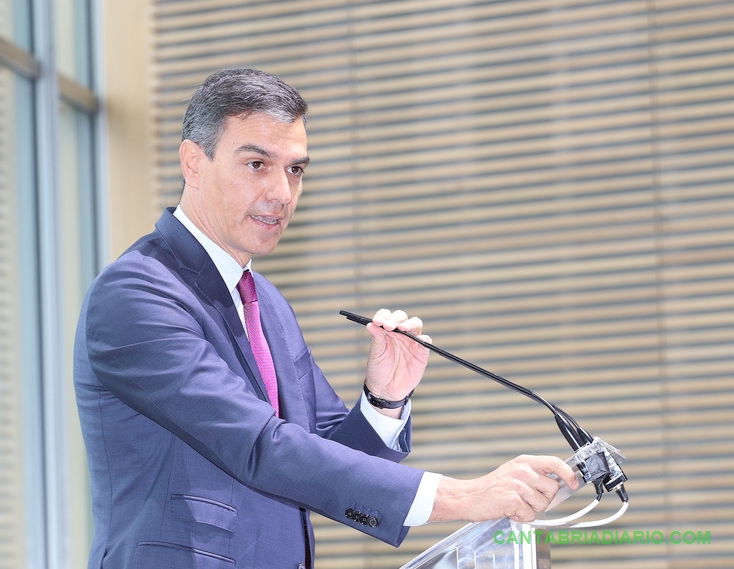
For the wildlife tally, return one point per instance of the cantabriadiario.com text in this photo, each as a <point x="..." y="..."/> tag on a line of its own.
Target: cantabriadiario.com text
<point x="603" y="537"/>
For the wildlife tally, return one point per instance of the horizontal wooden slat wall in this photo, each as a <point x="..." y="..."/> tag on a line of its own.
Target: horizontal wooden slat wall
<point x="549" y="184"/>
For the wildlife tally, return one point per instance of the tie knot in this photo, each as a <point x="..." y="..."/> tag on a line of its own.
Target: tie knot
<point x="246" y="288"/>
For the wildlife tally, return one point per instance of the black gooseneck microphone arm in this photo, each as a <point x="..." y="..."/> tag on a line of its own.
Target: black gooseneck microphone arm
<point x="572" y="432"/>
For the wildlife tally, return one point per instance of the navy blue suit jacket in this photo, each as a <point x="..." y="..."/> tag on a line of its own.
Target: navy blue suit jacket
<point x="189" y="466"/>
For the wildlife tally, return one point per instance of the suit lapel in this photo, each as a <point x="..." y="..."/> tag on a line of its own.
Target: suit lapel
<point x="292" y="405"/>
<point x="211" y="286"/>
<point x="192" y="256"/>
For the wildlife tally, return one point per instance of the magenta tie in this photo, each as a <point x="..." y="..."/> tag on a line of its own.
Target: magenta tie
<point x="260" y="349"/>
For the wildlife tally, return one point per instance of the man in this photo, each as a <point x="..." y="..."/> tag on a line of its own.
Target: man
<point x="210" y="430"/>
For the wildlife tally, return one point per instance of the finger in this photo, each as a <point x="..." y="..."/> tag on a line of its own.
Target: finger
<point x="395" y="319"/>
<point x="536" y="499"/>
<point x="552" y="464"/>
<point x="375" y="327"/>
<point x="413" y="325"/>
<point x="525" y="517"/>
<point x="380" y="316"/>
<point x="389" y="320"/>
<point x="523" y="499"/>
<point x="522" y="512"/>
<point x="548" y="487"/>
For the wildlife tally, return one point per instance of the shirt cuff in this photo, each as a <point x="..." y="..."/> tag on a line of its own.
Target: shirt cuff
<point x="422" y="506"/>
<point x="387" y="428"/>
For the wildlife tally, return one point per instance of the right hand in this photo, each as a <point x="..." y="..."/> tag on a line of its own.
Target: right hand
<point x="396" y="363"/>
<point x="518" y="490"/>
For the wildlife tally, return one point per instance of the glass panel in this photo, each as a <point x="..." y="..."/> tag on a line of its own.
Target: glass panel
<point x="72" y="40"/>
<point x="21" y="482"/>
<point x="15" y="22"/>
<point x="78" y="269"/>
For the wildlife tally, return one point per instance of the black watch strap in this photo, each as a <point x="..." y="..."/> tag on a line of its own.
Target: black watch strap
<point x="384" y="403"/>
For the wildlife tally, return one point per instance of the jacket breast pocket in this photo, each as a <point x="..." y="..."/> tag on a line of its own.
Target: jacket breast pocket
<point x="200" y="510"/>
<point x="159" y="555"/>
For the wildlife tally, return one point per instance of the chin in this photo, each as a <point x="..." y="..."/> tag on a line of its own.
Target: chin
<point x="265" y="249"/>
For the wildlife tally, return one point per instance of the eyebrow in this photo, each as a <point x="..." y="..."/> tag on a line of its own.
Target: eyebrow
<point x="262" y="152"/>
<point x="254" y="148"/>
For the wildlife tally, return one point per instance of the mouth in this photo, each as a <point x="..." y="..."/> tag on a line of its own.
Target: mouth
<point x="266" y="219"/>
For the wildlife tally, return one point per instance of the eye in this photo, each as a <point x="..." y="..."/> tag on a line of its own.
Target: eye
<point x="296" y="170"/>
<point x="257" y="165"/>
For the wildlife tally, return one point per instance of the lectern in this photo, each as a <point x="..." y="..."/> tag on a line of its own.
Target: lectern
<point x="495" y="544"/>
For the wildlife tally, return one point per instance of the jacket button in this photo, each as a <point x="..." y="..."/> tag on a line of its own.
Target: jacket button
<point x="349" y="514"/>
<point x="372" y="522"/>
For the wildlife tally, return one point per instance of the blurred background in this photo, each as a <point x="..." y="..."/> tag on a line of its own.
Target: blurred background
<point x="549" y="184"/>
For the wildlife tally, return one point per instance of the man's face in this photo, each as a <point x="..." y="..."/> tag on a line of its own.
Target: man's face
<point x="244" y="199"/>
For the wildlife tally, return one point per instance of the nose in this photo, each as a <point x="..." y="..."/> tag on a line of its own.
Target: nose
<point x="280" y="189"/>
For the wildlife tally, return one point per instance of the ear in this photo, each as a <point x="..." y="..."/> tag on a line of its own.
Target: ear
<point x="191" y="156"/>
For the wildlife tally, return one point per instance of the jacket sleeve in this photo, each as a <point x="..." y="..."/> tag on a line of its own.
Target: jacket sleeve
<point x="154" y="345"/>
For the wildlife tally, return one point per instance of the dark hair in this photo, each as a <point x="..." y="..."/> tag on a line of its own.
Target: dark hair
<point x="237" y="93"/>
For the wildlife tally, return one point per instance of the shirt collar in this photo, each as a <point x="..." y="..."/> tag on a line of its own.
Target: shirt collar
<point x="230" y="269"/>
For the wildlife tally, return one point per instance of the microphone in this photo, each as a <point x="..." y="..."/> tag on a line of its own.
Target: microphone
<point x="604" y="470"/>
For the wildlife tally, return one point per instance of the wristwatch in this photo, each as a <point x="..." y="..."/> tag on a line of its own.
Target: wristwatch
<point x="381" y="403"/>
